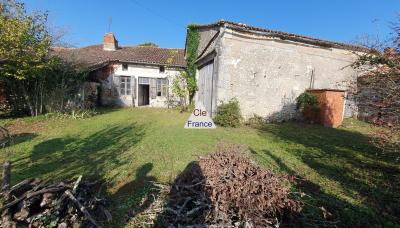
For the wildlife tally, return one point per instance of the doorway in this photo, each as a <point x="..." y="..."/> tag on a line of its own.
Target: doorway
<point x="143" y="95"/>
<point x="205" y="92"/>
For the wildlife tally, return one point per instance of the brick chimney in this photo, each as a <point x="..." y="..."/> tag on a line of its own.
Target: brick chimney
<point x="109" y="42"/>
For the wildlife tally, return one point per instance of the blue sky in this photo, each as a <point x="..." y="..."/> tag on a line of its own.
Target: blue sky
<point x="164" y="22"/>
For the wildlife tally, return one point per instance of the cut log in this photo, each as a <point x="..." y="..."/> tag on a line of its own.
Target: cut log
<point x="47" y="199"/>
<point x="6" y="176"/>
<point x="21" y="187"/>
<point x="28" y="195"/>
<point x="22" y="215"/>
<point x="46" y="190"/>
<point x="68" y="204"/>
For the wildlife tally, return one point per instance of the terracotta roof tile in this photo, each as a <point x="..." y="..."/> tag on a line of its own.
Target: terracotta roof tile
<point x="92" y="56"/>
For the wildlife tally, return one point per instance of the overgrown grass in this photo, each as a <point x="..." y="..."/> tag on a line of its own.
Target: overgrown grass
<point x="129" y="148"/>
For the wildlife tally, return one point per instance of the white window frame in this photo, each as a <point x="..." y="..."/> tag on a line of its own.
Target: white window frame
<point x="160" y="87"/>
<point x="125" y="85"/>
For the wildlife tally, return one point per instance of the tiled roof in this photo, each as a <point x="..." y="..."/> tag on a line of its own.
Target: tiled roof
<point x="284" y="35"/>
<point x="93" y="56"/>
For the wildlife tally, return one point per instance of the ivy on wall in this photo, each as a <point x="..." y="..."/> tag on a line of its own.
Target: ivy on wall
<point x="192" y="44"/>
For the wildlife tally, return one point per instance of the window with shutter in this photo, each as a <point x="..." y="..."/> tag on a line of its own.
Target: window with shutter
<point x="162" y="87"/>
<point x="125" y="85"/>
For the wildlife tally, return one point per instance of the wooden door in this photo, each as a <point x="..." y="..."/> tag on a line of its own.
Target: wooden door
<point x="205" y="84"/>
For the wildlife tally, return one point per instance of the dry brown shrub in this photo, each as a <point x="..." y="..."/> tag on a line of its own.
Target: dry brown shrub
<point x="228" y="189"/>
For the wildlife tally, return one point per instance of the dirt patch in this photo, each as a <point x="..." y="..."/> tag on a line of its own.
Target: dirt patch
<point x="21" y="127"/>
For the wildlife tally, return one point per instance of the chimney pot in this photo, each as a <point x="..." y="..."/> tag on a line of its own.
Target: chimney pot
<point x="109" y="42"/>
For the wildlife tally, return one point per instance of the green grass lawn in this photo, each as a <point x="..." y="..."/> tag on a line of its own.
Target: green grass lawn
<point x="340" y="170"/>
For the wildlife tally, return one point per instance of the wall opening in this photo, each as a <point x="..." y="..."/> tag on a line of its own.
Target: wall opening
<point x="144" y="95"/>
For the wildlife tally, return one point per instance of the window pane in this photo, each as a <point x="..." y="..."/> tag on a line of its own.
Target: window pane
<point x="122" y="91"/>
<point x="164" y="91"/>
<point x="144" y="81"/>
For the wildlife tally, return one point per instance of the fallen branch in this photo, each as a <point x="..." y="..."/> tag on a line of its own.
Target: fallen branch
<point x="36" y="203"/>
<point x="82" y="208"/>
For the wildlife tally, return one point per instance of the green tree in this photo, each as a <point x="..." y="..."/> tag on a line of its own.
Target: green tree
<point x="150" y="44"/>
<point x="377" y="92"/>
<point x="180" y="89"/>
<point x="36" y="81"/>
<point x="24" y="45"/>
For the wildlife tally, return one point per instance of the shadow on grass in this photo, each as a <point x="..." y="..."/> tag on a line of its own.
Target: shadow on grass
<point x="346" y="158"/>
<point x="17" y="139"/>
<point x="185" y="197"/>
<point x="135" y="196"/>
<point x="23" y="137"/>
<point x="93" y="155"/>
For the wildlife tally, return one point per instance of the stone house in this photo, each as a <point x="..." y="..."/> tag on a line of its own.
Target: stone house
<point x="129" y="75"/>
<point x="266" y="70"/>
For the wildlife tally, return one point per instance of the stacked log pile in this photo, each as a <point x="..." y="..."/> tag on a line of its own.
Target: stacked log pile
<point x="35" y="203"/>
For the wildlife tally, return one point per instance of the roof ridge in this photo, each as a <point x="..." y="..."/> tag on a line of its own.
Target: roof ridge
<point x="133" y="46"/>
<point x="277" y="32"/>
<point x="141" y="46"/>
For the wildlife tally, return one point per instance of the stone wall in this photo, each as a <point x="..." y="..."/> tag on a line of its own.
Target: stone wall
<point x="267" y="74"/>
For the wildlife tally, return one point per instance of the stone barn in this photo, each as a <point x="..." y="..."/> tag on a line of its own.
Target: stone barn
<point x="266" y="70"/>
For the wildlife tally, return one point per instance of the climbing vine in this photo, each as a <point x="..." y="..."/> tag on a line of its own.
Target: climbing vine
<point x="193" y="40"/>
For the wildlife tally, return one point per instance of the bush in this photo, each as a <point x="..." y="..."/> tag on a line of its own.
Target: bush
<point x="73" y="114"/>
<point x="306" y="100"/>
<point x="228" y="114"/>
<point x="256" y="121"/>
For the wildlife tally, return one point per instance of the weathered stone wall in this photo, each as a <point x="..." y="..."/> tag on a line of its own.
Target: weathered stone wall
<point x="267" y="74"/>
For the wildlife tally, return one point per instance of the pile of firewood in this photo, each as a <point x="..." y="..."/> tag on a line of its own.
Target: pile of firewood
<point x="226" y="189"/>
<point x="35" y="203"/>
